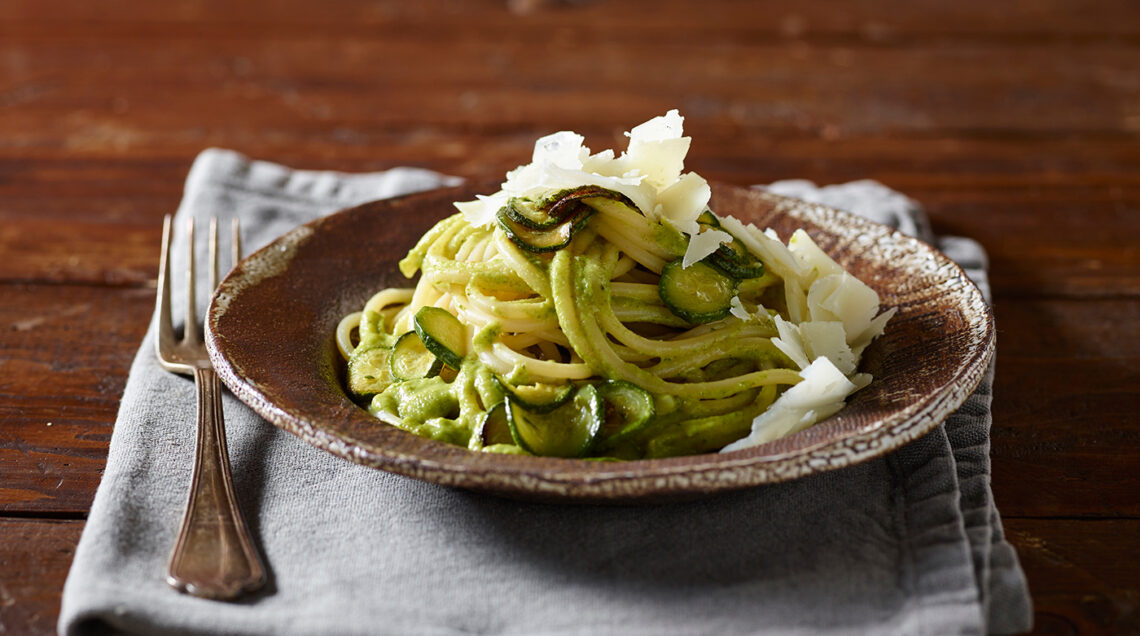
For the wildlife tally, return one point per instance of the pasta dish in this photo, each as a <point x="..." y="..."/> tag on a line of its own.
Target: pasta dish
<point x="597" y="307"/>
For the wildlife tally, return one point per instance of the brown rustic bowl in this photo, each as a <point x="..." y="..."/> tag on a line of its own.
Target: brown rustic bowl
<point x="270" y="336"/>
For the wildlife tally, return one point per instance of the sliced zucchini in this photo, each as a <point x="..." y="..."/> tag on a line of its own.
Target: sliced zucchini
<point x="732" y="258"/>
<point x="494" y="428"/>
<point x="708" y="219"/>
<point x="562" y="203"/>
<point x="568" y="431"/>
<point x="629" y="408"/>
<point x="539" y="397"/>
<point x="551" y="239"/>
<point x="410" y="359"/>
<point x="529" y="214"/>
<point x="700" y="435"/>
<point x="698" y="293"/>
<point x="735" y="260"/>
<point x="556" y="208"/>
<point x="442" y="334"/>
<point x="368" y="371"/>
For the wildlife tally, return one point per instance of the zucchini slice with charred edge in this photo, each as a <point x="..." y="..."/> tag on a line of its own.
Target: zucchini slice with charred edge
<point x="708" y="219"/>
<point x="731" y="258"/>
<point x="561" y="203"/>
<point x="410" y="359"/>
<point x="442" y="334"/>
<point x="530" y="215"/>
<point x="494" y="428"/>
<point x="546" y="240"/>
<point x="628" y="408"/>
<point x="698" y="293"/>
<point x="568" y="431"/>
<point x="735" y="260"/>
<point x="553" y="209"/>
<point x="368" y="370"/>
<point x="539" y="397"/>
<point x="551" y="223"/>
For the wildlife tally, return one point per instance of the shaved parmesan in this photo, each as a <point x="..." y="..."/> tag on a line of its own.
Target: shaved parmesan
<point x="827" y="339"/>
<point x="684" y="200"/>
<point x="649" y="172"/>
<point x="809" y="341"/>
<point x="660" y="160"/>
<point x="819" y="395"/>
<point x="657" y="149"/>
<point x="667" y="126"/>
<point x="562" y="149"/>
<point x="703" y="244"/>
<point x="844" y="298"/>
<point x="736" y="308"/>
<point x="481" y="211"/>
<point x="814" y="262"/>
<point x="791" y="342"/>
<point x="874" y="330"/>
<point x="829" y="328"/>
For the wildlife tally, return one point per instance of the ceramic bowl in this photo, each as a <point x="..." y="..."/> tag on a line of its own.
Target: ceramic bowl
<point x="270" y="336"/>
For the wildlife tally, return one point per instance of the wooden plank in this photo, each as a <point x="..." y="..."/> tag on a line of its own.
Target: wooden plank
<point x="66" y="354"/>
<point x="120" y="89"/>
<point x="873" y="22"/>
<point x="1042" y="241"/>
<point x="100" y="253"/>
<point x="1065" y="438"/>
<point x="955" y="168"/>
<point x="1081" y="573"/>
<point x="1065" y="431"/>
<point x="1054" y="333"/>
<point x="35" y="555"/>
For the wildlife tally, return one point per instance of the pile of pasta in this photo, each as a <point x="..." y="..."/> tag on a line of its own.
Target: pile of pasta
<point x="597" y="307"/>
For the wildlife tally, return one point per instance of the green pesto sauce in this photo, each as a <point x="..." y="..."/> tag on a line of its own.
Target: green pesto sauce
<point x="504" y="449"/>
<point x="497" y="279"/>
<point x="485" y="337"/>
<point x="668" y="237"/>
<point x="427" y="407"/>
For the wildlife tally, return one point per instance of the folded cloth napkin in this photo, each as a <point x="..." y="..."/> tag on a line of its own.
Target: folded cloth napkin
<point x="909" y="543"/>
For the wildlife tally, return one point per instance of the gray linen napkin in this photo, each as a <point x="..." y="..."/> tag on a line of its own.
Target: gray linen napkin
<point x="906" y="544"/>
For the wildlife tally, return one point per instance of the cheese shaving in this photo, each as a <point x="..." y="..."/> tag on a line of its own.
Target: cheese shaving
<point x="703" y="244"/>
<point x="650" y="172"/>
<point x="820" y="394"/>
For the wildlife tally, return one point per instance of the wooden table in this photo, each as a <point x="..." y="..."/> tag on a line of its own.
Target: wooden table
<point x="1016" y="125"/>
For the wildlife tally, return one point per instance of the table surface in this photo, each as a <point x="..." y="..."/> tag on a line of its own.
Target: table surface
<point x="1016" y="127"/>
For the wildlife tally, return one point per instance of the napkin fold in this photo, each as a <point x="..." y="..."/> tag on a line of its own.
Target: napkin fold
<point x="909" y="543"/>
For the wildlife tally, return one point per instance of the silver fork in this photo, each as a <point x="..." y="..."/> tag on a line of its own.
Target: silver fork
<point x="214" y="556"/>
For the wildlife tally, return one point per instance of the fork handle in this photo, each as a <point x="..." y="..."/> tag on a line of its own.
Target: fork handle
<point x="214" y="556"/>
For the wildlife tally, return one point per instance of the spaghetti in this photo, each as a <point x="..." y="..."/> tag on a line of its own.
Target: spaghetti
<point x="596" y="307"/>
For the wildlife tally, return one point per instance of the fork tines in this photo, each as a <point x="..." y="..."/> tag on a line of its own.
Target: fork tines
<point x="192" y="327"/>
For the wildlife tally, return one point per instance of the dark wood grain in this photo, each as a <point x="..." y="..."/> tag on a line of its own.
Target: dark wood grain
<point x="1065" y="434"/>
<point x="66" y="355"/>
<point x="34" y="557"/>
<point x="1083" y="573"/>
<point x="1018" y="126"/>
